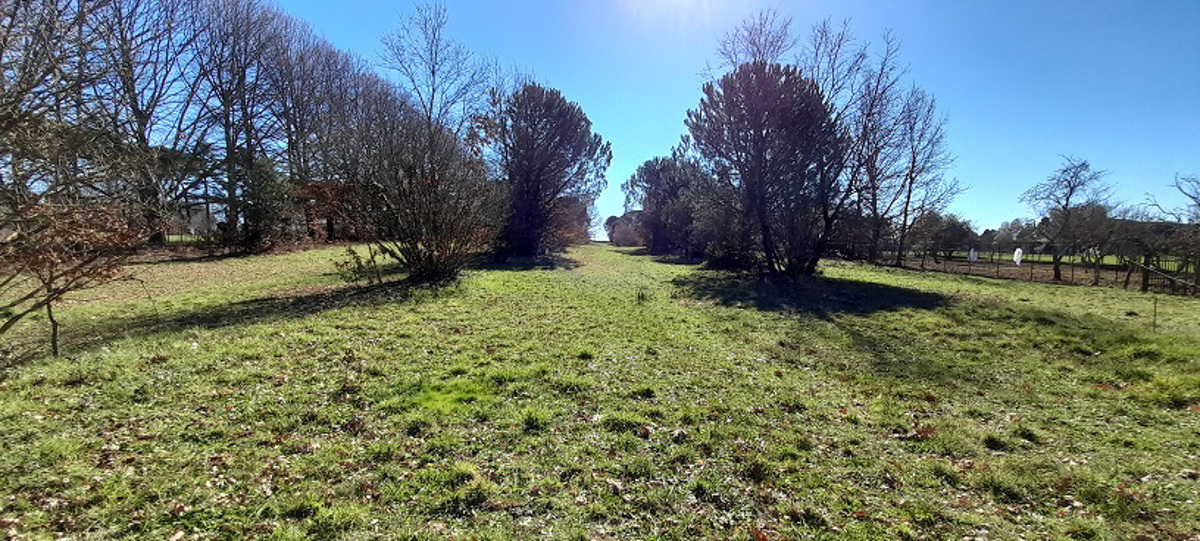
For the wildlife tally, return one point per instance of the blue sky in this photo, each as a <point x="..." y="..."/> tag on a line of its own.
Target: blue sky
<point x="1023" y="82"/>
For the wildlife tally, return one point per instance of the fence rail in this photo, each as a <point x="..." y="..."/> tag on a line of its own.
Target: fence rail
<point x="1161" y="273"/>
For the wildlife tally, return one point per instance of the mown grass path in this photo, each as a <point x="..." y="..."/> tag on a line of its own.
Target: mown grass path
<point x="613" y="396"/>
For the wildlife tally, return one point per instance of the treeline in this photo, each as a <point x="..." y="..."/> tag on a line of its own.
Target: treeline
<point x="1076" y="215"/>
<point x="119" y="118"/>
<point x="800" y="150"/>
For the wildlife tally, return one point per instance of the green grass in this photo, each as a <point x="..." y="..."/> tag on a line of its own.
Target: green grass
<point x="615" y="397"/>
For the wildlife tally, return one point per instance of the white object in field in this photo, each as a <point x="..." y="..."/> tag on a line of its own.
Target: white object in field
<point x="972" y="256"/>
<point x="1017" y="256"/>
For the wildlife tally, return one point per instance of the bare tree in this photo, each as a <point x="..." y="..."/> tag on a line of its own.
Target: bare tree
<point x="62" y="228"/>
<point x="309" y="83"/>
<point x="836" y="61"/>
<point x="316" y="91"/>
<point x="764" y="37"/>
<point x="447" y="83"/>
<point x="897" y="147"/>
<point x="924" y="159"/>
<point x="233" y="44"/>
<point x="1094" y="231"/>
<point x="47" y="50"/>
<point x="1057" y="201"/>
<point x="876" y="167"/>
<point x="428" y="194"/>
<point x="1189" y="188"/>
<point x="890" y="168"/>
<point x="840" y="67"/>
<point x="337" y="145"/>
<point x="60" y="247"/>
<point x="151" y="99"/>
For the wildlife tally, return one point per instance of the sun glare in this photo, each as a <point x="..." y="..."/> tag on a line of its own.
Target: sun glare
<point x="683" y="13"/>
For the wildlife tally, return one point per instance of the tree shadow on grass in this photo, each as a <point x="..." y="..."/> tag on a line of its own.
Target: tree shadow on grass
<point x="974" y="346"/>
<point x="267" y="309"/>
<point x="666" y="259"/>
<point x="206" y="252"/>
<point x="546" y="262"/>
<point x="158" y="260"/>
<point x="886" y="353"/>
<point x="819" y="296"/>
<point x="966" y="346"/>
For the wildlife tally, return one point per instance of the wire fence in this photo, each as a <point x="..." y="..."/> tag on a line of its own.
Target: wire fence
<point x="181" y="234"/>
<point x="1143" y="272"/>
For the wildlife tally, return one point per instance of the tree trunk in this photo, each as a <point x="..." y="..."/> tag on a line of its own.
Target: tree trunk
<point x="759" y="209"/>
<point x="53" y="329"/>
<point x="155" y="222"/>
<point x="904" y="225"/>
<point x="229" y="234"/>
<point x="526" y="223"/>
<point x="810" y="266"/>
<point x="873" y="248"/>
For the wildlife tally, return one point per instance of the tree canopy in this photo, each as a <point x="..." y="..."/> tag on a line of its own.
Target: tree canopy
<point x="769" y="133"/>
<point x="546" y="153"/>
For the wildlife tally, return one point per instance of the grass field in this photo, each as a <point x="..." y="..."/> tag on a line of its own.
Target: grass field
<point x="612" y="396"/>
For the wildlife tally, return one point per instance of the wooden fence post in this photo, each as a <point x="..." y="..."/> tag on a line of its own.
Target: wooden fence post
<point x="1145" y="273"/>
